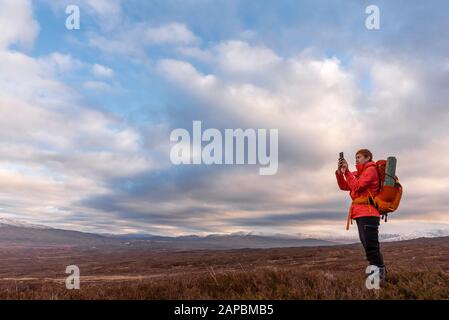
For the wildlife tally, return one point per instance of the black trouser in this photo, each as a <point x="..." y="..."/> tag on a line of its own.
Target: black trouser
<point x="369" y="236"/>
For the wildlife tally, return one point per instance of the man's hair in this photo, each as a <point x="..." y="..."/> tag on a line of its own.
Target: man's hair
<point x="366" y="153"/>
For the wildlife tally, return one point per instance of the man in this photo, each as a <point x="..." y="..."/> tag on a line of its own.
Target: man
<point x="363" y="184"/>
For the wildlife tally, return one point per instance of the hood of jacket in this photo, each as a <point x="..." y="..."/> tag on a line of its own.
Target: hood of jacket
<point x="362" y="166"/>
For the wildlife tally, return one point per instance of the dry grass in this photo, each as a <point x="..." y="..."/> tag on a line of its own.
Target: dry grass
<point x="418" y="270"/>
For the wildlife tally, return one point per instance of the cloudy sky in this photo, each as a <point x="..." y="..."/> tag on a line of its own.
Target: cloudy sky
<point x="86" y="115"/>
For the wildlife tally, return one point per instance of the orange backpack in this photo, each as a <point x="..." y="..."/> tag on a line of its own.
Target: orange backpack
<point x="389" y="197"/>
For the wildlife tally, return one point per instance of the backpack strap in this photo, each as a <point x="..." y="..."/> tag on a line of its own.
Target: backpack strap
<point x="348" y="219"/>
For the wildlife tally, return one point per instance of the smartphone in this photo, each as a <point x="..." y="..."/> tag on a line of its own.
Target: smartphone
<point x="341" y="156"/>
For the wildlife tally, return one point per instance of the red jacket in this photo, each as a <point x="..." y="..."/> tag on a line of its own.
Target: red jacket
<point x="358" y="183"/>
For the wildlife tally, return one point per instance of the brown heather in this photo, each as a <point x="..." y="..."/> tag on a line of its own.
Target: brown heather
<point x="418" y="269"/>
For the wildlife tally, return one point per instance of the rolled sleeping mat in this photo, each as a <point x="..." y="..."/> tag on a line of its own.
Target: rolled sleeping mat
<point x="390" y="172"/>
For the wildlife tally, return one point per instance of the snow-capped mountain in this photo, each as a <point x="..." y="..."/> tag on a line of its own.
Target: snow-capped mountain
<point x="389" y="237"/>
<point x="436" y="233"/>
<point x="20" y="224"/>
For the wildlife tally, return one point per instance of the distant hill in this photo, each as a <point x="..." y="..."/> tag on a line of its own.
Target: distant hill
<point x="222" y="241"/>
<point x="15" y="233"/>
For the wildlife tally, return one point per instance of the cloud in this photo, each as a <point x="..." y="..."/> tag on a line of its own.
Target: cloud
<point x="52" y="143"/>
<point x="57" y="63"/>
<point x="96" y="85"/>
<point x="105" y="8"/>
<point x="196" y="53"/>
<point x="171" y="33"/>
<point x="319" y="107"/>
<point x="238" y="57"/>
<point x="101" y="71"/>
<point x="325" y="91"/>
<point x="17" y="24"/>
<point x="134" y="39"/>
<point x="291" y="99"/>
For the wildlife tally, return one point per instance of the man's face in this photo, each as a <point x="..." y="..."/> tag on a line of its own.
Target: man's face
<point x="361" y="159"/>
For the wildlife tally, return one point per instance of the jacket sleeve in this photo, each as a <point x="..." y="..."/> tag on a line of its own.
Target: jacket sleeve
<point x="341" y="181"/>
<point x="367" y="178"/>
